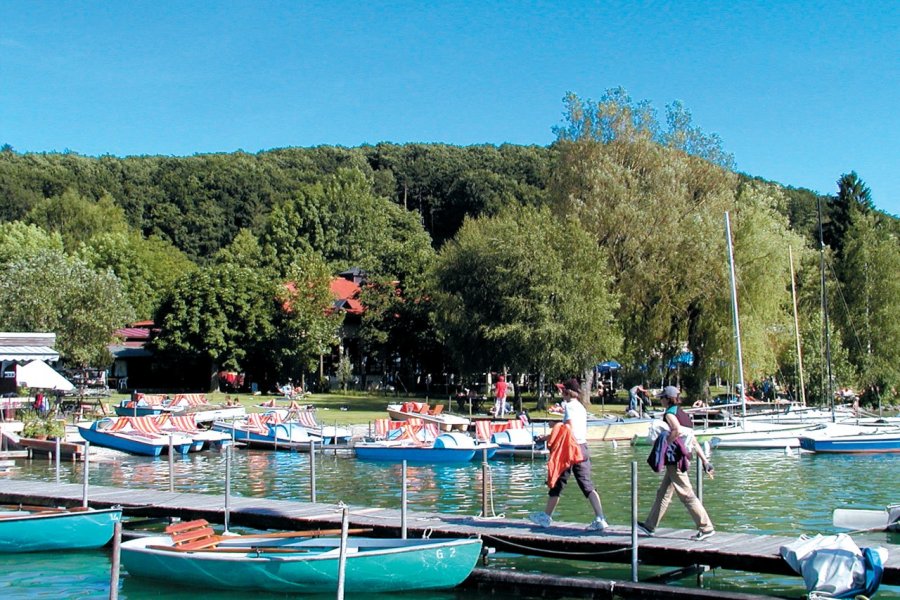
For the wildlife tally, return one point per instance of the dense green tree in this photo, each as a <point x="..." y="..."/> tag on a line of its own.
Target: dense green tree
<point x="526" y="291"/>
<point x="18" y="240"/>
<point x="306" y="326"/>
<point x="77" y="219"/>
<point x="147" y="268"/>
<point x="659" y="214"/>
<point x="871" y="299"/>
<point x="762" y="240"/>
<point x="241" y="319"/>
<point x="343" y="221"/>
<point x="50" y="292"/>
<point x="244" y="250"/>
<point x="853" y="197"/>
<point x="222" y="312"/>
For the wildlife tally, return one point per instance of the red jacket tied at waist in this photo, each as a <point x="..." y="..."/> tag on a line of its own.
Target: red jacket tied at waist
<point x="564" y="452"/>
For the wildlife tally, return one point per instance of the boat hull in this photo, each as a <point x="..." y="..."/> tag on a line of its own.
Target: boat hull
<point x="372" y="566"/>
<point x="64" y="530"/>
<point x="852" y="439"/>
<point x="415" y="454"/>
<point x="609" y="430"/>
<point x="144" y="446"/>
<point x="872" y="445"/>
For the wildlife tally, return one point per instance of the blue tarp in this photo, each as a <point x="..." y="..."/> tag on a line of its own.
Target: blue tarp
<point x="685" y="358"/>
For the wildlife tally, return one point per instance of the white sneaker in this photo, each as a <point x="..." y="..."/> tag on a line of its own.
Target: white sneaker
<point x="598" y="524"/>
<point x="541" y="519"/>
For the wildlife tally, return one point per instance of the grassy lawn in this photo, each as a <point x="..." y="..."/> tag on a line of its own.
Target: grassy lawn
<point x="358" y="408"/>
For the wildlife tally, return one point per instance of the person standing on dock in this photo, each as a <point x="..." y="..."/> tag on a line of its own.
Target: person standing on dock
<point x="574" y="426"/>
<point x="675" y="480"/>
<point x="500" y="391"/>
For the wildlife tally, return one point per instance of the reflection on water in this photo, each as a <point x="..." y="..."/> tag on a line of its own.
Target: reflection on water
<point x="754" y="491"/>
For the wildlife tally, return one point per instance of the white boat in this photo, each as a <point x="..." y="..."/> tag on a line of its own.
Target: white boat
<point x="841" y="438"/>
<point x="518" y="443"/>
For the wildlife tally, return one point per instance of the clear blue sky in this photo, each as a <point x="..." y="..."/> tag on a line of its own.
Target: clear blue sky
<point x="800" y="92"/>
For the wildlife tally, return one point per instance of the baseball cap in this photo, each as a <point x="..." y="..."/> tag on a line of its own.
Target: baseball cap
<point x="670" y="391"/>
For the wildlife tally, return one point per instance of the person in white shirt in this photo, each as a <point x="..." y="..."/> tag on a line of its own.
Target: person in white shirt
<point x="574" y="417"/>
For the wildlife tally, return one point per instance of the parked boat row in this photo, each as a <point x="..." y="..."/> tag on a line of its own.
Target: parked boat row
<point x="142" y="405"/>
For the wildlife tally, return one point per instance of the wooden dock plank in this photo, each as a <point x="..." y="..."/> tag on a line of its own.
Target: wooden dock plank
<point x="729" y="550"/>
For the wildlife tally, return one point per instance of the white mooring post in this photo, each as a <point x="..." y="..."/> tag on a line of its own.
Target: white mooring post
<point x="228" y="454"/>
<point x="171" y="464"/>
<point x="342" y="557"/>
<point x="87" y="468"/>
<point x="634" y="518"/>
<point x="403" y="505"/>
<point x="484" y="483"/>
<point x="57" y="457"/>
<point x="115" y="560"/>
<point x="312" y="471"/>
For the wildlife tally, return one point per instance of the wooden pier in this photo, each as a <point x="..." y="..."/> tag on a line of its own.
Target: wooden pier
<point x="670" y="547"/>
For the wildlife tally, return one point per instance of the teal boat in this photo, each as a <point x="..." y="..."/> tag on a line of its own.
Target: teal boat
<point x="37" y="529"/>
<point x="283" y="565"/>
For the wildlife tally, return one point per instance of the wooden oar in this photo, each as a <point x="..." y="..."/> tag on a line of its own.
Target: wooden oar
<point x="290" y="534"/>
<point x="234" y="549"/>
<point x="860" y="520"/>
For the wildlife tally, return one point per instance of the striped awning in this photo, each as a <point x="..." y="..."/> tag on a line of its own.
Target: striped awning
<point x="25" y="353"/>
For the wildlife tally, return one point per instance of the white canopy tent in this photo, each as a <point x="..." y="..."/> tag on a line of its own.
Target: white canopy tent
<point x="39" y="375"/>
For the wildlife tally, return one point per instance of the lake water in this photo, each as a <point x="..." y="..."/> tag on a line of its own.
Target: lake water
<point x="753" y="491"/>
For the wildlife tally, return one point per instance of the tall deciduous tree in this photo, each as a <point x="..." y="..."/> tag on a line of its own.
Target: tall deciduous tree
<point x="241" y="319"/>
<point x="658" y="212"/>
<point x="871" y="295"/>
<point x="147" y="268"/>
<point x="222" y="312"/>
<point x="343" y="221"/>
<point x="77" y="218"/>
<point x="527" y="291"/>
<point x="51" y="292"/>
<point x="18" y="240"/>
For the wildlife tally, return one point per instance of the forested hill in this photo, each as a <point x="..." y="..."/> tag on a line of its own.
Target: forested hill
<point x="199" y="203"/>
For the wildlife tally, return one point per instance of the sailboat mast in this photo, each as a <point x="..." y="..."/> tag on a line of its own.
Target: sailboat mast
<point x="827" y="329"/>
<point x="737" y="324"/>
<point x="797" y="331"/>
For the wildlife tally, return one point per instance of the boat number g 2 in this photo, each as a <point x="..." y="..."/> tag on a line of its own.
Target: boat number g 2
<point x="440" y="553"/>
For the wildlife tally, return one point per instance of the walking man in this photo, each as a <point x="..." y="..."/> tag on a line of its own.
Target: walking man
<point x="574" y="426"/>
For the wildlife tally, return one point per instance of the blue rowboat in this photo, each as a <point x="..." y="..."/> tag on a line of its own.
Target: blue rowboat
<point x="111" y="433"/>
<point x="310" y="566"/>
<point x="852" y="439"/>
<point x="39" y="529"/>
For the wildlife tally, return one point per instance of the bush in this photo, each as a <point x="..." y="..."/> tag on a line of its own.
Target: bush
<point x="36" y="426"/>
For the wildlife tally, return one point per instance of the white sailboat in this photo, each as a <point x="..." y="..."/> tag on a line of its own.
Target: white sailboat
<point x="757" y="431"/>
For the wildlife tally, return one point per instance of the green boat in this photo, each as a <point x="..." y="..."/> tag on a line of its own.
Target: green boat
<point x="309" y="566"/>
<point x="37" y="529"/>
